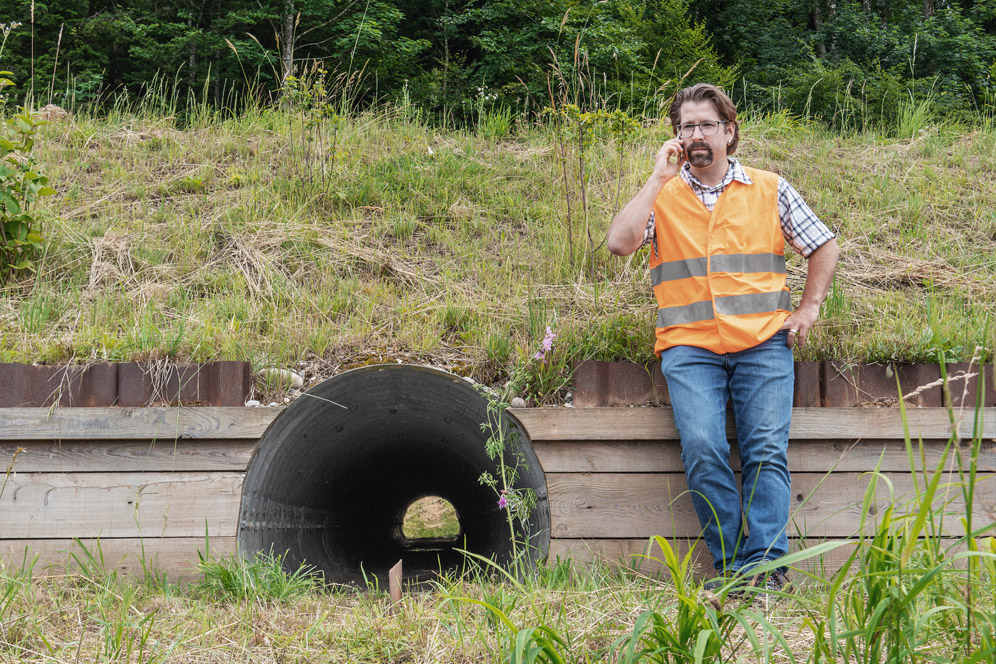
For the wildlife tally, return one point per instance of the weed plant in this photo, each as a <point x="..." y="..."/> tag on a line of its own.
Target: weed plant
<point x="261" y="578"/>
<point x="503" y="448"/>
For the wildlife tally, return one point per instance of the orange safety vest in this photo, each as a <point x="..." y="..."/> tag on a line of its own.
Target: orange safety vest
<point x="719" y="278"/>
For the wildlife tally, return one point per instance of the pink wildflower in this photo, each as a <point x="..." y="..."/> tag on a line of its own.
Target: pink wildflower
<point x="502" y="502"/>
<point x="548" y="339"/>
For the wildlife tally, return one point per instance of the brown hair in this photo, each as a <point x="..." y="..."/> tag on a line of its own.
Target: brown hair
<point x="701" y="92"/>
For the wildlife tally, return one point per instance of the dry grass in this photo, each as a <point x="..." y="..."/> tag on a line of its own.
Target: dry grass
<point x="76" y="619"/>
<point x="96" y="618"/>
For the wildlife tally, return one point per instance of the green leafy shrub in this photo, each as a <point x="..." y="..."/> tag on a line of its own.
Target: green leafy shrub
<point x="21" y="185"/>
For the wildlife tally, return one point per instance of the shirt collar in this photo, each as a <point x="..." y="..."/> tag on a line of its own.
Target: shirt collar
<point x="734" y="172"/>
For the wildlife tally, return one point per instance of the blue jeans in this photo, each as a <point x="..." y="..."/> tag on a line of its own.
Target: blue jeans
<point x="759" y="381"/>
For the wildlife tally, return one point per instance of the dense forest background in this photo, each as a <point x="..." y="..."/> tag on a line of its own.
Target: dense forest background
<point x="842" y="62"/>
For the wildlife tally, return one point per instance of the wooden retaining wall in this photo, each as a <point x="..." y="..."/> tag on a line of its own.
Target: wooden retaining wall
<point x="149" y="482"/>
<point x="615" y="475"/>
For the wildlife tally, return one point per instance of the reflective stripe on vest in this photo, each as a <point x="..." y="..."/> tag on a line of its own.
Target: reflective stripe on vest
<point x="731" y="305"/>
<point x="698" y="267"/>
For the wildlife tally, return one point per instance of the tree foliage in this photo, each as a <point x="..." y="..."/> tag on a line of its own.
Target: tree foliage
<point x="818" y="57"/>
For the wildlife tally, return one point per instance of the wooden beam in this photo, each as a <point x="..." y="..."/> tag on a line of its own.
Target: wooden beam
<point x="635" y="505"/>
<point x="807" y="423"/>
<point x="541" y="423"/>
<point x="134" y="423"/>
<point x="83" y="456"/>
<point x="182" y="504"/>
<point x="644" y="556"/>
<point x="659" y="456"/>
<point x="134" y="557"/>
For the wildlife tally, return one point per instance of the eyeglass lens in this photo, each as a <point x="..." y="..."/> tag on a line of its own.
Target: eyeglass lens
<point x="707" y="129"/>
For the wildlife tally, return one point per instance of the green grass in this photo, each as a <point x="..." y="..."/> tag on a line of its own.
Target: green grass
<point x="930" y="608"/>
<point x="449" y="247"/>
<point x="431" y="517"/>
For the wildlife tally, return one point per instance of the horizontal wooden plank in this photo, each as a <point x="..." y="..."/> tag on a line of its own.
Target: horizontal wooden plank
<point x="135" y="557"/>
<point x="643" y="556"/>
<point x="658" y="456"/>
<point x="39" y="456"/>
<point x="640" y="555"/>
<point x="182" y="504"/>
<point x="540" y="423"/>
<point x="635" y="505"/>
<point x="807" y="423"/>
<point x="134" y="423"/>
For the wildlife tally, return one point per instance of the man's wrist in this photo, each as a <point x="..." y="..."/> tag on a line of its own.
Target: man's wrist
<point x="810" y="308"/>
<point x="657" y="181"/>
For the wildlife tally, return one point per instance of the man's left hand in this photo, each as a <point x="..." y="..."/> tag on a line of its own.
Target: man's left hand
<point x="798" y="324"/>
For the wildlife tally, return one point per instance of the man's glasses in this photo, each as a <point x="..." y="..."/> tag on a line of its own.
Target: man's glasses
<point x="707" y="128"/>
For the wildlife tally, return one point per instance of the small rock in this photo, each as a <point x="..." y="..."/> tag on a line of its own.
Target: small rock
<point x="252" y="403"/>
<point x="569" y="396"/>
<point x="281" y="377"/>
<point x="273" y="403"/>
<point x="518" y="402"/>
<point x="286" y="399"/>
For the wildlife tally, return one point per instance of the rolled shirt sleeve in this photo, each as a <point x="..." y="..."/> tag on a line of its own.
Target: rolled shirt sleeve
<point x="800" y="225"/>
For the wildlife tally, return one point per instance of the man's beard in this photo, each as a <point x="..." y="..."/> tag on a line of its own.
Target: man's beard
<point x="700" y="159"/>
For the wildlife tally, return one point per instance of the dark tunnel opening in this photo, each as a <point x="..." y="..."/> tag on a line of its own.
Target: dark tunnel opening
<point x="332" y="477"/>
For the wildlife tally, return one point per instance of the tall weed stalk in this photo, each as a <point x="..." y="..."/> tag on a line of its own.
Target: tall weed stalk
<point x="502" y="447"/>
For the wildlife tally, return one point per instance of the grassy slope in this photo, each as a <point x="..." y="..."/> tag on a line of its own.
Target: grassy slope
<point x="432" y="245"/>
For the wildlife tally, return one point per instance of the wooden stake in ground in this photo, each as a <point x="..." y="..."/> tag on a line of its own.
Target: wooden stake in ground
<point x="394" y="585"/>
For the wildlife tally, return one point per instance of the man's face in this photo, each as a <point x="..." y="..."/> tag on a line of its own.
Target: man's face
<point x="701" y="151"/>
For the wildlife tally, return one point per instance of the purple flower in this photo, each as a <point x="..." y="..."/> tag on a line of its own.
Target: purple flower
<point x="502" y="502"/>
<point x="539" y="355"/>
<point x="548" y="339"/>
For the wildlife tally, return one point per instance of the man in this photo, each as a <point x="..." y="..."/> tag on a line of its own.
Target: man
<point x="725" y="326"/>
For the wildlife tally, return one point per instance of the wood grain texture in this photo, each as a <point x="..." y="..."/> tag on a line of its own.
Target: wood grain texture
<point x="635" y="505"/>
<point x="54" y="505"/>
<point x="642" y="555"/>
<point x="807" y="423"/>
<point x="650" y="456"/>
<point x="82" y="456"/>
<point x="176" y="556"/>
<point x="134" y="423"/>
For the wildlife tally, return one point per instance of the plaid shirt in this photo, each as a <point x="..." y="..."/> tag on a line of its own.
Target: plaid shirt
<point x="800" y="226"/>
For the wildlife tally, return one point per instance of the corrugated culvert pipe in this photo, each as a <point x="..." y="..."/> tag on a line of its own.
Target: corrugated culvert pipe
<point x="330" y="485"/>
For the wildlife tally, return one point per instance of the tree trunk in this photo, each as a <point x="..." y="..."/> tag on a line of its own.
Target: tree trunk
<point x="446" y="55"/>
<point x="287" y="24"/>
<point x="928" y="8"/>
<point x="821" y="48"/>
<point x="192" y="75"/>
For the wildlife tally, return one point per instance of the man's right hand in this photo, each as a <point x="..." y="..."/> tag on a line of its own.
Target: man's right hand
<point x="669" y="159"/>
